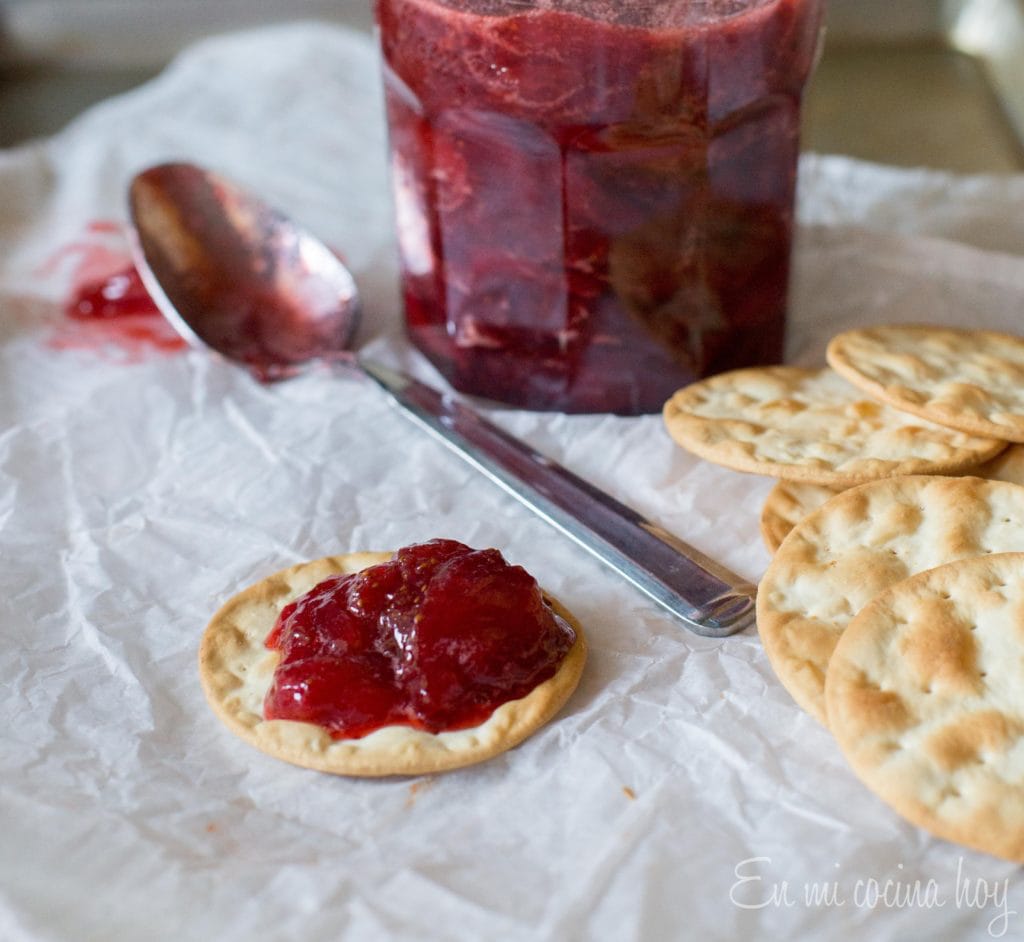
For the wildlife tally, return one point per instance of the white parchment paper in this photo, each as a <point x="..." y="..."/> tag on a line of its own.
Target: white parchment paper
<point x="681" y="793"/>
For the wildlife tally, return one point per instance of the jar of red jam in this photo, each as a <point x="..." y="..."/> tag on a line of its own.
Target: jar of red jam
<point x="594" y="197"/>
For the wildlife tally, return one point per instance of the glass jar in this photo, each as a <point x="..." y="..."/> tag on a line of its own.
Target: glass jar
<point x="594" y="197"/>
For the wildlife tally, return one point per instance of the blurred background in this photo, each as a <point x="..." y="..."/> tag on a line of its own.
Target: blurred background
<point x="934" y="83"/>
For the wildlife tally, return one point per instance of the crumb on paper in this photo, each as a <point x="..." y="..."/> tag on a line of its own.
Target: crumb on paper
<point x="418" y="786"/>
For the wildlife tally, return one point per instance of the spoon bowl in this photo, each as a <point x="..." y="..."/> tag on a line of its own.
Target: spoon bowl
<point x="234" y="275"/>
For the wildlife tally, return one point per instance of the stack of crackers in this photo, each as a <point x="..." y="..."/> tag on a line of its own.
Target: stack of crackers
<point x="893" y="609"/>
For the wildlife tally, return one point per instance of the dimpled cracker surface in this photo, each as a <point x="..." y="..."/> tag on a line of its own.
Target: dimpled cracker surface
<point x="926" y="699"/>
<point x="786" y="505"/>
<point x="236" y="670"/>
<point x="971" y="380"/>
<point x="861" y="542"/>
<point x="790" y="501"/>
<point x="813" y="426"/>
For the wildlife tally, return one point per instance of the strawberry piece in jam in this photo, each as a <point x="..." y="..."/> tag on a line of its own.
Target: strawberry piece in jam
<point x="437" y="638"/>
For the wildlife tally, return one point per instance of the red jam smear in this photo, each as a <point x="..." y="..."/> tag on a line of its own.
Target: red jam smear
<point x="594" y="198"/>
<point x="107" y="308"/>
<point x="436" y="639"/>
<point x="114" y="314"/>
<point x="121" y="294"/>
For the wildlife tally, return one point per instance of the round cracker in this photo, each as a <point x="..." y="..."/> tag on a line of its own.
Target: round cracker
<point x="971" y="380"/>
<point x="790" y="501"/>
<point x="861" y="542"/>
<point x="786" y="505"/>
<point x="236" y="670"/>
<point x="925" y="696"/>
<point x="812" y="426"/>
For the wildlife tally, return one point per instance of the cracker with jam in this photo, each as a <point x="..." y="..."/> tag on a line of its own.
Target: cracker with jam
<point x="373" y="664"/>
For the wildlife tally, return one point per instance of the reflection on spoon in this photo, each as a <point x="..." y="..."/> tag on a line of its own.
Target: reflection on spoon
<point x="235" y="275"/>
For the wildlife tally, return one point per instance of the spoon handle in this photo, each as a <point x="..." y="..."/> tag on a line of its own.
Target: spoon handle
<point x="705" y="596"/>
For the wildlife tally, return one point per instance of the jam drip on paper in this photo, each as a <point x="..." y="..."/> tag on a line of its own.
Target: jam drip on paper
<point x="107" y="308"/>
<point x="436" y="639"/>
<point x="120" y="294"/>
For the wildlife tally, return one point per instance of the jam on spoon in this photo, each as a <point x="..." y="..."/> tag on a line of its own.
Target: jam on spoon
<point x="436" y="639"/>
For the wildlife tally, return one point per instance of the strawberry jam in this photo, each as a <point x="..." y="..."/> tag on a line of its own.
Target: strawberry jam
<point x="121" y="294"/>
<point x="436" y="638"/>
<point x="594" y="197"/>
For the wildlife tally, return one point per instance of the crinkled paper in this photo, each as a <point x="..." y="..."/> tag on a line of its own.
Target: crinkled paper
<point x="681" y="793"/>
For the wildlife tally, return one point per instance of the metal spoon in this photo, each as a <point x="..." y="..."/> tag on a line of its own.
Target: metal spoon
<point x="232" y="274"/>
